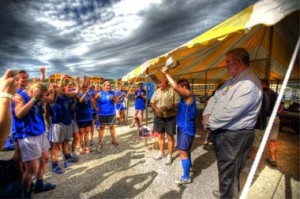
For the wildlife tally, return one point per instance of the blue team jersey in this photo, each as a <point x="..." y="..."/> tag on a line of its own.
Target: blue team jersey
<point x="20" y="90"/>
<point x="60" y="111"/>
<point x="84" y="109"/>
<point x="73" y="105"/>
<point x="105" y="104"/>
<point x="32" y="124"/>
<point x="139" y="101"/>
<point x="121" y="105"/>
<point x="186" y="117"/>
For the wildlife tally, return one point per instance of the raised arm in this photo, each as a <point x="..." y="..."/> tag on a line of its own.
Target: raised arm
<point x="8" y="87"/>
<point x="43" y="72"/>
<point x="181" y="90"/>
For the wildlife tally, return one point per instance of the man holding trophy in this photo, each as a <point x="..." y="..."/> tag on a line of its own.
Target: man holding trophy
<point x="164" y="103"/>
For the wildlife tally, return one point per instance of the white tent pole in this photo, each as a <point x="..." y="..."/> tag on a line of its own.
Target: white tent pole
<point x="270" y="124"/>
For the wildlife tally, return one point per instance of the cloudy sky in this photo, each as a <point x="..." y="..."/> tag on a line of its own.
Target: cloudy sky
<point x="107" y="38"/>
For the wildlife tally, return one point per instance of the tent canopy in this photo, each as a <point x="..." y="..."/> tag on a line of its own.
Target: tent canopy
<point x="268" y="29"/>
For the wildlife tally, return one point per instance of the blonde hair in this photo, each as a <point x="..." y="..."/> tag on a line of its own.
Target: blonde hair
<point x="38" y="85"/>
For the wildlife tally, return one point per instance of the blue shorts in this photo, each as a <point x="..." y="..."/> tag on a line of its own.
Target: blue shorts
<point x="184" y="141"/>
<point x="139" y="106"/>
<point x="120" y="107"/>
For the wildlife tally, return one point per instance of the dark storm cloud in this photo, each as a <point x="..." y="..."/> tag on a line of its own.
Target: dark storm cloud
<point x="108" y="38"/>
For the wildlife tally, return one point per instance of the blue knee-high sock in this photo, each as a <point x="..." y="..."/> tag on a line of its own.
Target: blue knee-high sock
<point x="186" y="165"/>
<point x="190" y="158"/>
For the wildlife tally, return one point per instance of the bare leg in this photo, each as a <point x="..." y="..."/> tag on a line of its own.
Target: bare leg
<point x="92" y="130"/>
<point x="75" y="142"/>
<point x="183" y="154"/>
<point x="86" y="137"/>
<point x="135" y="115"/>
<point x="81" y="135"/>
<point x="170" y="144"/>
<point x="31" y="170"/>
<point x="252" y="153"/>
<point x="101" y="133"/>
<point x="43" y="164"/>
<point x="141" y="116"/>
<point x="113" y="134"/>
<point x="66" y="147"/>
<point x="161" y="142"/>
<point x="54" y="151"/>
<point x="273" y="149"/>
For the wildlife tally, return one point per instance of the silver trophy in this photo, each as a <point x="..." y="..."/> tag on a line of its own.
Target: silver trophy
<point x="171" y="63"/>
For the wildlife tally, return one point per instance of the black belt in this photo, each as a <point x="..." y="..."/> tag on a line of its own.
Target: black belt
<point x="224" y="130"/>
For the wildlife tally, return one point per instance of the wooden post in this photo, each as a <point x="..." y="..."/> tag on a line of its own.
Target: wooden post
<point x="268" y="66"/>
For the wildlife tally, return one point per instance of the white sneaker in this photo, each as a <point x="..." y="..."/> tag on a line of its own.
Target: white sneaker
<point x="159" y="156"/>
<point x="183" y="181"/>
<point x="75" y="154"/>
<point x="169" y="160"/>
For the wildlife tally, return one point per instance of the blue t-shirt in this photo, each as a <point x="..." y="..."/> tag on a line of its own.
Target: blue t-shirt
<point x="32" y="124"/>
<point x="60" y="111"/>
<point x="73" y="105"/>
<point x="105" y="104"/>
<point x="186" y="117"/>
<point x="84" y="109"/>
<point x="140" y="101"/>
<point x="121" y="105"/>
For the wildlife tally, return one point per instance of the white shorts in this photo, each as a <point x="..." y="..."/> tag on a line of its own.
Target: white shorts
<point x="60" y="132"/>
<point x="32" y="147"/>
<point x="273" y="134"/>
<point x="74" y="127"/>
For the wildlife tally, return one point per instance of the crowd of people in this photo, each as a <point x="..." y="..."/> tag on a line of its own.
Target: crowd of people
<point x="69" y="112"/>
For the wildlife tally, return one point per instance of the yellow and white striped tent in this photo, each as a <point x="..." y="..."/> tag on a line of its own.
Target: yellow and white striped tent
<point x="268" y="29"/>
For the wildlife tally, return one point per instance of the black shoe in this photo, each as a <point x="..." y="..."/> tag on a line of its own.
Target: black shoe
<point x="216" y="193"/>
<point x="26" y="195"/>
<point x="46" y="187"/>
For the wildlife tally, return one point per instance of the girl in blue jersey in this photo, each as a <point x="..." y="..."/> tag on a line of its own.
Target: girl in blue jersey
<point x="187" y="112"/>
<point x="92" y="95"/>
<point x="32" y="139"/>
<point x="75" y="129"/>
<point x="106" y="100"/>
<point x="61" y="126"/>
<point x="120" y="107"/>
<point x="140" y="103"/>
<point x="84" y="117"/>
